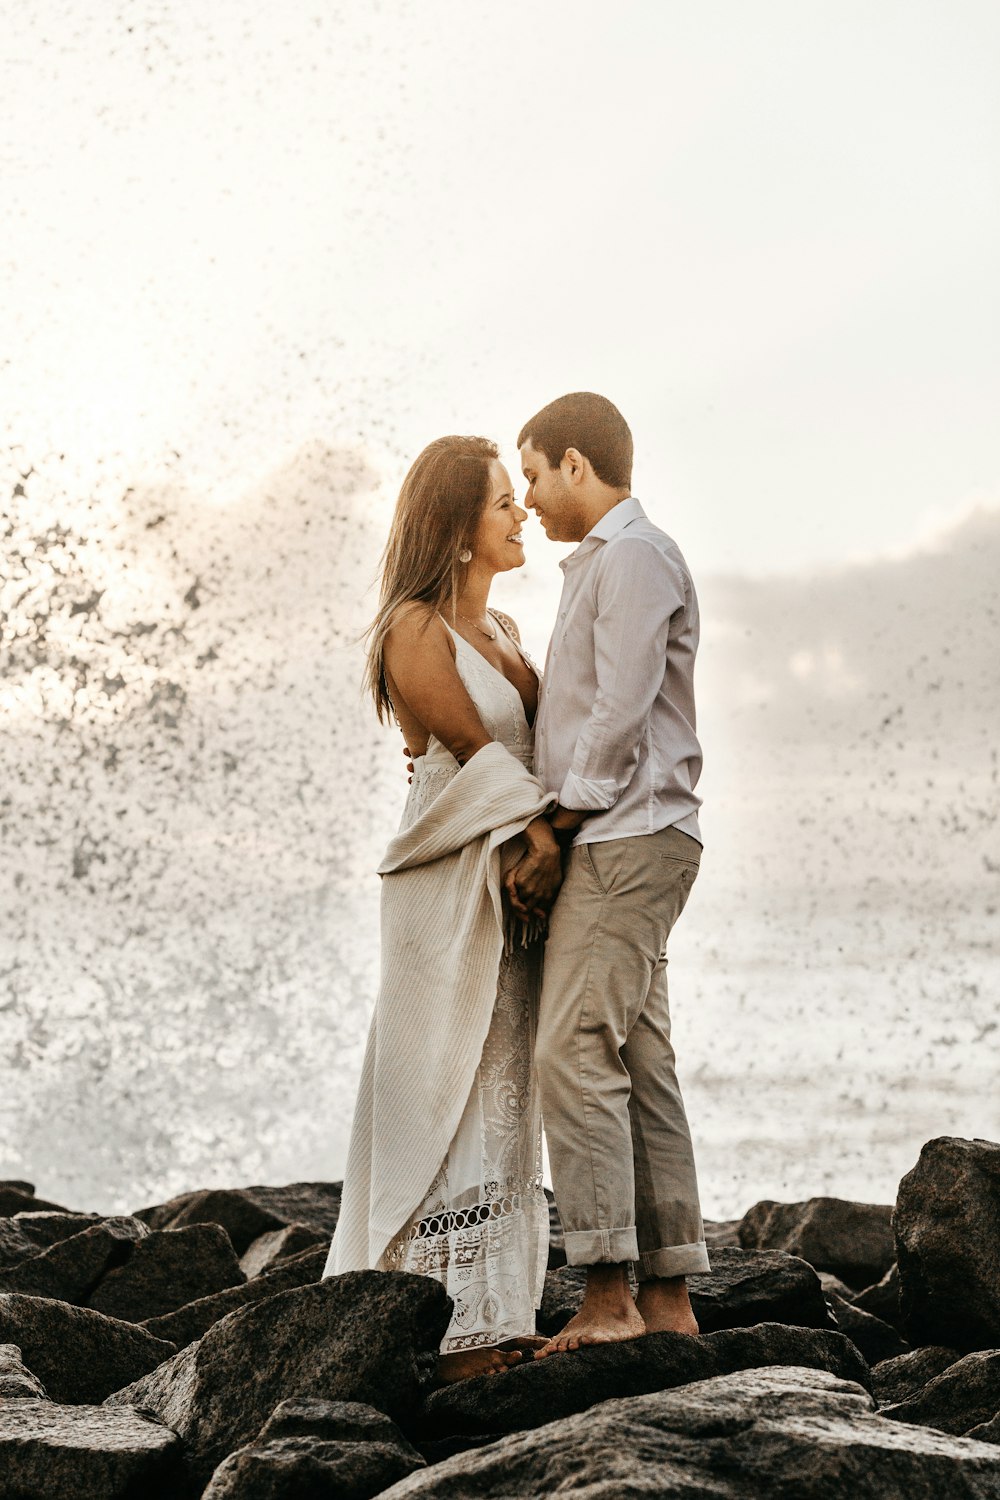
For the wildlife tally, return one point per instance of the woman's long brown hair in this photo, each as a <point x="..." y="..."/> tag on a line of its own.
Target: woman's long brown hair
<point x="436" y="517"/>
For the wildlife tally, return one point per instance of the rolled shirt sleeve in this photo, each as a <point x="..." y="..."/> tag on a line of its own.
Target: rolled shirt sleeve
<point x="638" y="590"/>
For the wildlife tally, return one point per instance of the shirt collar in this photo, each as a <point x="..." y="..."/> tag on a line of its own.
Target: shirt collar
<point x="615" y="520"/>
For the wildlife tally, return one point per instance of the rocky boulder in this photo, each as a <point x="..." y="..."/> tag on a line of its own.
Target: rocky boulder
<point x="16" y="1380"/>
<point x="267" y="1250"/>
<point x="79" y="1356"/>
<point x="15" y="1245"/>
<point x="45" y="1228"/>
<point x="70" y="1269"/>
<point x="16" y="1196"/>
<point x="852" y="1240"/>
<point x="897" y="1379"/>
<point x="794" y="1433"/>
<point x="947" y="1224"/>
<point x="247" y="1213"/>
<point x="882" y="1299"/>
<point x="50" y="1452"/>
<point x="195" y="1318"/>
<point x="963" y="1396"/>
<point x="328" y="1450"/>
<point x="744" y="1287"/>
<point x="876" y="1340"/>
<point x="368" y="1336"/>
<point x="542" y="1389"/>
<point x="167" y="1269"/>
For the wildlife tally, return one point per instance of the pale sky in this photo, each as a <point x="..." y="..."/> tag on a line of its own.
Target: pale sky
<point x="769" y="232"/>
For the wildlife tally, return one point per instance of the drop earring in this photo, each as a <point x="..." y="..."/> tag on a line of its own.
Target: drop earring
<point x="465" y="555"/>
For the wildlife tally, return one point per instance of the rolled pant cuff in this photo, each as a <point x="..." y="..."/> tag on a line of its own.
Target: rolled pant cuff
<point x="596" y="1247"/>
<point x="676" y="1260"/>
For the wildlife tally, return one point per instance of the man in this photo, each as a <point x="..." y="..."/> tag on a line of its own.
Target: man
<point x="615" y="738"/>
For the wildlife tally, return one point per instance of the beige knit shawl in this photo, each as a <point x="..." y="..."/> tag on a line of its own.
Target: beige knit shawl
<point x="442" y="938"/>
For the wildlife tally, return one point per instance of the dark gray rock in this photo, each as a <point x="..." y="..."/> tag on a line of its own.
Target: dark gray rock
<point x="369" y="1336"/>
<point x="781" y="1433"/>
<point x="70" y="1269"/>
<point x="744" y="1287"/>
<point x="882" y="1299"/>
<point x="722" y="1234"/>
<point x="987" y="1432"/>
<point x="167" y="1269"/>
<point x="16" y="1380"/>
<point x="280" y="1244"/>
<point x="247" y="1213"/>
<point x="947" y="1223"/>
<point x="79" y="1356"/>
<point x="898" y="1379"/>
<point x="853" y="1240"/>
<point x="876" y="1340"/>
<point x="15" y="1245"/>
<point x="50" y="1452"/>
<point x="190" y="1322"/>
<point x="16" y="1196"/>
<point x="48" y="1228"/>
<point x="18" y="1183"/>
<point x="337" y="1449"/>
<point x="542" y="1389"/>
<point x="965" y="1395"/>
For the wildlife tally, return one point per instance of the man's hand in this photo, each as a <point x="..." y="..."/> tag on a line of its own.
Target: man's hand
<point x="533" y="883"/>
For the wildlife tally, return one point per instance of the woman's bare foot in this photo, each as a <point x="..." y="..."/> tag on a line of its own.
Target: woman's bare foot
<point x="665" y="1306"/>
<point x="607" y="1314"/>
<point x="469" y="1363"/>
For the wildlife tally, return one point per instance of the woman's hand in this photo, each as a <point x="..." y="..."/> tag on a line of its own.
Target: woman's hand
<point x="533" y="883"/>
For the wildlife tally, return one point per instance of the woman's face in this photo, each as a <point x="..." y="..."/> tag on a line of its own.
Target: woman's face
<point x="498" y="546"/>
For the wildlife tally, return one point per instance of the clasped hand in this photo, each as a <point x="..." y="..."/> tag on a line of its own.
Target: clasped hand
<point x="532" y="884"/>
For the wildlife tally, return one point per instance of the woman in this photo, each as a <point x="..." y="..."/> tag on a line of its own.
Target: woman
<point x="444" y="1169"/>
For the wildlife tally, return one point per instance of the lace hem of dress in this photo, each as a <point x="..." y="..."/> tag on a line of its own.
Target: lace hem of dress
<point x="490" y="1259"/>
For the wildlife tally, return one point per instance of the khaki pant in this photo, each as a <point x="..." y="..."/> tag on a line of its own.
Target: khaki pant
<point x="619" y="1145"/>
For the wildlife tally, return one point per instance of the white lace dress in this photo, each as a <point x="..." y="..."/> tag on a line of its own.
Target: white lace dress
<point x="482" y="1227"/>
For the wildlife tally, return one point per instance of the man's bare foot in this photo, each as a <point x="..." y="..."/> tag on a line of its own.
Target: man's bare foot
<point x="665" y="1306"/>
<point x="607" y="1314"/>
<point x="468" y="1363"/>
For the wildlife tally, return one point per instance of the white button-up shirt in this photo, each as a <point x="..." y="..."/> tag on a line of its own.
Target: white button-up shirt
<point x="615" y="730"/>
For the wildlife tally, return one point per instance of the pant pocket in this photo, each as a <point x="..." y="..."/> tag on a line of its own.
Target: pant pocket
<point x="605" y="861"/>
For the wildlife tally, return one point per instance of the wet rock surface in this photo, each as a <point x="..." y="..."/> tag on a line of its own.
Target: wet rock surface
<point x="947" y="1226"/>
<point x="899" y="1378"/>
<point x="167" y="1269"/>
<point x="195" y="1318"/>
<point x="51" y="1452"/>
<point x="852" y="1240"/>
<point x="882" y="1299"/>
<point x="231" y="1365"/>
<point x="367" y="1336"/>
<point x="70" y="1269"/>
<point x="965" y="1395"/>
<point x="79" y="1355"/>
<point x="247" y="1213"/>
<point x="268" y="1250"/>
<point x="16" y="1380"/>
<point x="337" y="1449"/>
<point x="876" y="1340"/>
<point x="562" y="1384"/>
<point x="787" y="1432"/>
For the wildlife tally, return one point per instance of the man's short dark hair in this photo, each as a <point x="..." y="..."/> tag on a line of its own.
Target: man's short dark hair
<point x="593" y="426"/>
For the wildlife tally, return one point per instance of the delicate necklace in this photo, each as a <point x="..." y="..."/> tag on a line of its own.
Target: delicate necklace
<point x="490" y="635"/>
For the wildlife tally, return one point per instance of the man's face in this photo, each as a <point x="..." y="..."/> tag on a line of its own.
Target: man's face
<point x="552" y="498"/>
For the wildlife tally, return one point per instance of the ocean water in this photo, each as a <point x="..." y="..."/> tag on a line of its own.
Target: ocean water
<point x="194" y="798"/>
